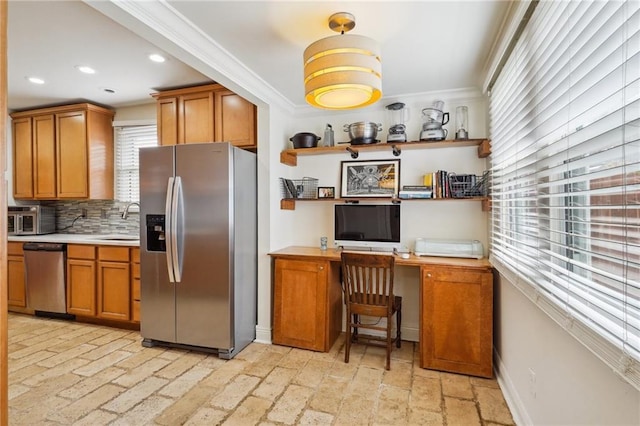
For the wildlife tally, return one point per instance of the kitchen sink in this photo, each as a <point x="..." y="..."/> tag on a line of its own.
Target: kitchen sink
<point x="117" y="237"/>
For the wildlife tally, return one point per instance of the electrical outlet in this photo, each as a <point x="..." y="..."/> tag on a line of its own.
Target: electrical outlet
<point x="533" y="388"/>
<point x="104" y="214"/>
<point x="84" y="213"/>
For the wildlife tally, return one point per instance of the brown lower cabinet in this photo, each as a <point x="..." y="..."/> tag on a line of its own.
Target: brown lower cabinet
<point x="81" y="280"/>
<point x="114" y="283"/>
<point x="16" y="291"/>
<point x="307" y="311"/>
<point x="102" y="282"/>
<point x="456" y="314"/>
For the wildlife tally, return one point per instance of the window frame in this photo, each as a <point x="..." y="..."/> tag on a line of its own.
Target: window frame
<point x="117" y="151"/>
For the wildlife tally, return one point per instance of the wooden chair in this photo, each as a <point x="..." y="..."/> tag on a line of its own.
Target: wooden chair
<point x="367" y="283"/>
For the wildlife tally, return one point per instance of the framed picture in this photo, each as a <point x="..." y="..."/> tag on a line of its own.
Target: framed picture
<point x="379" y="178"/>
<point x="326" y="192"/>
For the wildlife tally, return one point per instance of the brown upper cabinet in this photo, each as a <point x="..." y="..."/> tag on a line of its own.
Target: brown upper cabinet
<point x="63" y="152"/>
<point x="205" y="114"/>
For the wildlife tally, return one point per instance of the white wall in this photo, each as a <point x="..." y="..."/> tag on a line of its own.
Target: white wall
<point x="571" y="387"/>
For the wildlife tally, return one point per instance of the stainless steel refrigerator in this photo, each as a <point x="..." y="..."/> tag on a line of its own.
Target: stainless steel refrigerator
<point x="198" y="247"/>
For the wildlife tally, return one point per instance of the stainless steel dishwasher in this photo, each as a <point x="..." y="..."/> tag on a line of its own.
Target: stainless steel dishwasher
<point x="45" y="277"/>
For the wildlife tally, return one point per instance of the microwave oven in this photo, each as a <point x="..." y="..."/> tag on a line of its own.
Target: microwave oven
<point x="31" y="220"/>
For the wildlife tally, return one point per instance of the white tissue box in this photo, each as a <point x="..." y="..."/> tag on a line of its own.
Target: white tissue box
<point x="449" y="248"/>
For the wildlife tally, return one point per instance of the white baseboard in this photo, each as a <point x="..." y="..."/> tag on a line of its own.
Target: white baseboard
<point x="410" y="334"/>
<point x="511" y="396"/>
<point x="263" y="335"/>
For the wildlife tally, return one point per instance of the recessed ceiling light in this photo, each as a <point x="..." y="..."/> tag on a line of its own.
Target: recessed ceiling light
<point x="157" y="58"/>
<point x="85" y="69"/>
<point x="35" y="80"/>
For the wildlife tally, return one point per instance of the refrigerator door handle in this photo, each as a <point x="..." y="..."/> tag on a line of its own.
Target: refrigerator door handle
<point x="169" y="229"/>
<point x="176" y="221"/>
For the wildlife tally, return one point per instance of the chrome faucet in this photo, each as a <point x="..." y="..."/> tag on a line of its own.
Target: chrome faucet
<point x="125" y="213"/>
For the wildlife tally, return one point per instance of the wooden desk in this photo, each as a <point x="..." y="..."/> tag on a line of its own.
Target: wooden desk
<point x="456" y="306"/>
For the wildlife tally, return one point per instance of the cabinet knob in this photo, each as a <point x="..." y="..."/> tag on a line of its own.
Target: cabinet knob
<point x="429" y="274"/>
<point x="321" y="268"/>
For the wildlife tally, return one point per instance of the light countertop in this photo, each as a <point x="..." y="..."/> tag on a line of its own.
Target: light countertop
<point x="95" y="239"/>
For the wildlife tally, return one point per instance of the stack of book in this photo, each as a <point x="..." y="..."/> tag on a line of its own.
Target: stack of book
<point x="439" y="182"/>
<point x="415" y="191"/>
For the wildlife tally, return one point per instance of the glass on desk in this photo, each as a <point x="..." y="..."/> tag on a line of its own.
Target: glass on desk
<point x="323" y="243"/>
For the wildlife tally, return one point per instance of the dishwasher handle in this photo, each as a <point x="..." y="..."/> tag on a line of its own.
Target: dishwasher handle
<point x="44" y="247"/>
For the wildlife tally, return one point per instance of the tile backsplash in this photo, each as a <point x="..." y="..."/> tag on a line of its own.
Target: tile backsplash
<point x="103" y="217"/>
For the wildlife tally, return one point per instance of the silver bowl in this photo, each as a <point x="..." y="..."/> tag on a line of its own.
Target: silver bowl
<point x="363" y="130"/>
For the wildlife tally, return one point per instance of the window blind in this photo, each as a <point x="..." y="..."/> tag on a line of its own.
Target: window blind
<point x="565" y="130"/>
<point x="128" y="140"/>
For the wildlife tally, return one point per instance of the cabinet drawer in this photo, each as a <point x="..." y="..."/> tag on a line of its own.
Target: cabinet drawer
<point x="81" y="251"/>
<point x="135" y="289"/>
<point x="15" y="249"/>
<point x="113" y="254"/>
<point x="135" y="255"/>
<point x="135" y="270"/>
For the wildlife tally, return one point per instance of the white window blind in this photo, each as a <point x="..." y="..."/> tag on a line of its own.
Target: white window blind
<point x="128" y="140"/>
<point x="565" y="130"/>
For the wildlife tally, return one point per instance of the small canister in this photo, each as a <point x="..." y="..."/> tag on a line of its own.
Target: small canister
<point x="328" y="136"/>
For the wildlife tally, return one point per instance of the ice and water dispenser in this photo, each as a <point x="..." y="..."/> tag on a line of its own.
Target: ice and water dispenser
<point x="155" y="232"/>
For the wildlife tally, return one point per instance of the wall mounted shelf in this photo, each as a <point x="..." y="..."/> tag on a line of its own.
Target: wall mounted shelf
<point x="290" y="156"/>
<point x="290" y="203"/>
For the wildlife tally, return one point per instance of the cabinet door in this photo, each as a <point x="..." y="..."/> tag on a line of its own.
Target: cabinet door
<point x="44" y="161"/>
<point x="17" y="295"/>
<point x="22" y="158"/>
<point x="72" y="156"/>
<point x="456" y="310"/>
<point x="114" y="298"/>
<point x="235" y="119"/>
<point x="195" y="118"/>
<point x="300" y="303"/>
<point x="168" y="121"/>
<point x="81" y="287"/>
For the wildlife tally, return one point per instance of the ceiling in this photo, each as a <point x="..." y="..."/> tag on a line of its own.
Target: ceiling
<point x="426" y="46"/>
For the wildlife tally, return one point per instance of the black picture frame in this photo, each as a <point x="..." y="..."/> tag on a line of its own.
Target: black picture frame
<point x="370" y="179"/>
<point x="326" y="192"/>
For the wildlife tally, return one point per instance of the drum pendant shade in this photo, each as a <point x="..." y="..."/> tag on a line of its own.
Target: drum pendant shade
<point x="342" y="71"/>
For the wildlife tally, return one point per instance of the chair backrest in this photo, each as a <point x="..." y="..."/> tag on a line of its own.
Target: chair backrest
<point x="368" y="278"/>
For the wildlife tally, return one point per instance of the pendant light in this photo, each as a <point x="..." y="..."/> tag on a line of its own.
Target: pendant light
<point x="342" y="71"/>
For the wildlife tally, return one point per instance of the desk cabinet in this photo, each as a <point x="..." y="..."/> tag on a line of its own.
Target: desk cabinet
<point x="307" y="308"/>
<point x="456" y="314"/>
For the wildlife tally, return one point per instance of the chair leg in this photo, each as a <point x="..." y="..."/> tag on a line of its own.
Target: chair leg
<point x="354" y="335"/>
<point x="388" y="367"/>
<point x="348" y="339"/>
